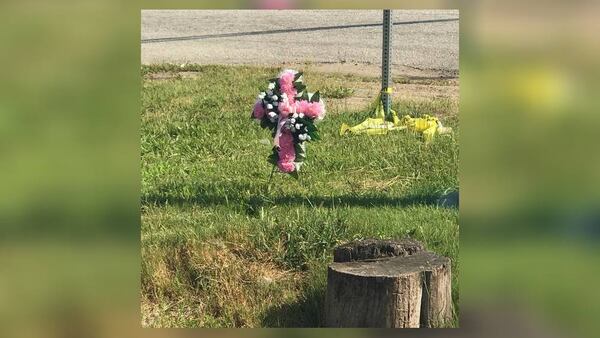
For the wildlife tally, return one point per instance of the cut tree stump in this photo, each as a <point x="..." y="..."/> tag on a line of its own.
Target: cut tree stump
<point x="388" y="284"/>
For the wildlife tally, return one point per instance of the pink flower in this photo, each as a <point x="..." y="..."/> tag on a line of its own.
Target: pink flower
<point x="285" y="109"/>
<point x="286" y="152"/>
<point x="286" y="167"/>
<point x="313" y="110"/>
<point x="259" y="111"/>
<point x="286" y="84"/>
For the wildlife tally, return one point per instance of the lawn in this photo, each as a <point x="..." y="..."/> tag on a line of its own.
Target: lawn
<point x="224" y="246"/>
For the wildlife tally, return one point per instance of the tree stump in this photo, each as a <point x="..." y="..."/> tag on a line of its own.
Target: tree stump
<point x="388" y="284"/>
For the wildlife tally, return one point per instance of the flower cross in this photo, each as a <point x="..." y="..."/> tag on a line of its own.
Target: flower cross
<point x="290" y="111"/>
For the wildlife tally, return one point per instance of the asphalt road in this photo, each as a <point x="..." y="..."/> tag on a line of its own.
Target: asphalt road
<point x="423" y="40"/>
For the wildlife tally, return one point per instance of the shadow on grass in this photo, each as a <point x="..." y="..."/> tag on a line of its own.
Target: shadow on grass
<point x="207" y="195"/>
<point x="255" y="202"/>
<point x="238" y="195"/>
<point x="308" y="311"/>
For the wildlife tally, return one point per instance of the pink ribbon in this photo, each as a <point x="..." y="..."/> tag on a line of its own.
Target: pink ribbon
<point x="280" y="125"/>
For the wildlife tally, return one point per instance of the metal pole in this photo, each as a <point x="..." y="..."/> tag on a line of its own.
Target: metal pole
<point x="385" y="61"/>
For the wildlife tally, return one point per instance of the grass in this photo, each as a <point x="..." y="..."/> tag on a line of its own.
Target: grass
<point x="337" y="92"/>
<point x="220" y="248"/>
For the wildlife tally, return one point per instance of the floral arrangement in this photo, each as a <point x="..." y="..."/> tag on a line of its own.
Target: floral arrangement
<point x="290" y="112"/>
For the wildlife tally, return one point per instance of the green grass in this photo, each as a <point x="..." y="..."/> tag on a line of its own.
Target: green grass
<point x="222" y="246"/>
<point x="337" y="92"/>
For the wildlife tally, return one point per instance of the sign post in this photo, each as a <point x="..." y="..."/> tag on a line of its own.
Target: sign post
<point x="385" y="61"/>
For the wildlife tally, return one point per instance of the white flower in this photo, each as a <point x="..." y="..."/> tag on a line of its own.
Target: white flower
<point x="305" y="129"/>
<point x="272" y="114"/>
<point x="295" y="115"/>
<point x="274" y="97"/>
<point x="261" y="95"/>
<point x="302" y="137"/>
<point x="301" y="115"/>
<point x="269" y="106"/>
<point x="308" y="137"/>
<point x="298" y="126"/>
<point x="271" y="85"/>
<point x="292" y="120"/>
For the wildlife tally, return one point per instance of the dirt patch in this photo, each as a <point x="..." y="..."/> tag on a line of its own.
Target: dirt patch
<point x="365" y="93"/>
<point x="161" y="76"/>
<point x="373" y="70"/>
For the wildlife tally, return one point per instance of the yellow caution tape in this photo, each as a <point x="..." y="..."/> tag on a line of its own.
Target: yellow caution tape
<point x="380" y="124"/>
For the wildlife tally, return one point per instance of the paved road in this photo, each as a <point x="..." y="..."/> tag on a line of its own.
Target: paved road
<point x="423" y="40"/>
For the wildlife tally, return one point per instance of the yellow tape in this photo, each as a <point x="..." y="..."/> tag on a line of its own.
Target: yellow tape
<point x="379" y="124"/>
<point x="387" y="90"/>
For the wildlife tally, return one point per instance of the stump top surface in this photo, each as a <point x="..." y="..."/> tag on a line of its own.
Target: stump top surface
<point x="374" y="248"/>
<point x="393" y="266"/>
